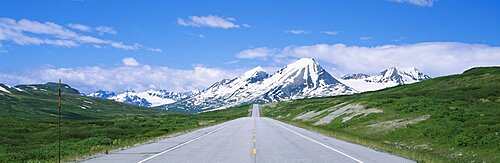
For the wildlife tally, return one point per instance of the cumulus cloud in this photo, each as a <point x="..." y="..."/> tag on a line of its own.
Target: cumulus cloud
<point x="422" y="3"/>
<point x="209" y="21"/>
<point x="434" y="58"/>
<point x="121" y="78"/>
<point x="30" y="32"/>
<point x="129" y="61"/>
<point x="262" y="52"/>
<point x="297" y="32"/>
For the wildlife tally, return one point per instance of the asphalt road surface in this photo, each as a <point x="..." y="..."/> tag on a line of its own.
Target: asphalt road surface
<point x="250" y="139"/>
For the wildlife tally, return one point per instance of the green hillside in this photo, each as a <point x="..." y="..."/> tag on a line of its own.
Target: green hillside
<point x="28" y="124"/>
<point x="447" y="119"/>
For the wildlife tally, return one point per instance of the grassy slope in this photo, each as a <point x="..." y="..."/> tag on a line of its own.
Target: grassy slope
<point x="464" y="124"/>
<point x="28" y="125"/>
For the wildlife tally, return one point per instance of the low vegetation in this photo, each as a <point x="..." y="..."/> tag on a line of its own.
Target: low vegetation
<point x="447" y="119"/>
<point x="29" y="125"/>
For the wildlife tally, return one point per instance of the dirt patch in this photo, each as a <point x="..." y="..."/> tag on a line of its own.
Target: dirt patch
<point x="351" y="111"/>
<point x="271" y="105"/>
<point x="311" y="114"/>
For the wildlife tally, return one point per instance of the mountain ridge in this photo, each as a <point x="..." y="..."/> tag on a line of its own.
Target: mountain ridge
<point x="148" y="98"/>
<point x="389" y="77"/>
<point x="303" y="78"/>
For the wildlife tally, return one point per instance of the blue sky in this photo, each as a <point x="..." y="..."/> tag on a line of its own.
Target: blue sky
<point x="227" y="37"/>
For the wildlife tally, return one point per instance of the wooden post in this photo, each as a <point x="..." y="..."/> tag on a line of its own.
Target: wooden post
<point x="59" y="110"/>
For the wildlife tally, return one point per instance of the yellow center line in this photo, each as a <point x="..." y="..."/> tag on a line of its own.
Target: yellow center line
<point x="254" y="151"/>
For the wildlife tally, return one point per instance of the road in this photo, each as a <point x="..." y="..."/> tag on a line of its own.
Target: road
<point x="250" y="139"/>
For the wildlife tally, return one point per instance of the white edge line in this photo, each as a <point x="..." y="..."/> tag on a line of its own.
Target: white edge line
<point x="182" y="144"/>
<point x="318" y="142"/>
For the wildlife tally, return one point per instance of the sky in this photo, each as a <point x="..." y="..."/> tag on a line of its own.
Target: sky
<point x="184" y="45"/>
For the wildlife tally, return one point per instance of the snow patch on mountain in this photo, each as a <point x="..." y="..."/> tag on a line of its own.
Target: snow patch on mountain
<point x="354" y="76"/>
<point x="102" y="94"/>
<point x="7" y="88"/>
<point x="3" y="89"/>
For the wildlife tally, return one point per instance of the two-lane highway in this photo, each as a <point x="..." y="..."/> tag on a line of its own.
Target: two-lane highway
<point x="250" y="139"/>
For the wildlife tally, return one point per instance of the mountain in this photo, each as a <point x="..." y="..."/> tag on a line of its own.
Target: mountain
<point x="399" y="76"/>
<point x="302" y="79"/>
<point x="149" y="98"/>
<point x="390" y="77"/>
<point x="227" y="92"/>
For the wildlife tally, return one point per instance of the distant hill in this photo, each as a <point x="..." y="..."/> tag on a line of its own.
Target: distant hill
<point x="50" y="86"/>
<point x="40" y="100"/>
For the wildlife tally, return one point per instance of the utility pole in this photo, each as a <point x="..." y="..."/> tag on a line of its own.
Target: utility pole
<point x="59" y="110"/>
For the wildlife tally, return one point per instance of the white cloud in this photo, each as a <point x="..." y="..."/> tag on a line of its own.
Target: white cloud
<point x="297" y="32"/>
<point x="105" y="30"/>
<point x="330" y="32"/>
<point x="434" y="58"/>
<point x="129" y="61"/>
<point x="262" y="52"/>
<point x="80" y="27"/>
<point x="155" y="49"/>
<point x="121" y="78"/>
<point x="209" y="21"/>
<point x="201" y="36"/>
<point x="100" y="29"/>
<point x="422" y="3"/>
<point x="120" y="45"/>
<point x="29" y="32"/>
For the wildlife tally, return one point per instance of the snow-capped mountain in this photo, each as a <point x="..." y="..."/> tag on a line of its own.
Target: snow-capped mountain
<point x="224" y="92"/>
<point x="149" y="98"/>
<point x="301" y="79"/>
<point x="390" y="77"/>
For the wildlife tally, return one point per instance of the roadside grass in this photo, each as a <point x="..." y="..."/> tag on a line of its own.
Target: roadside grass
<point x="464" y="121"/>
<point x="29" y="125"/>
<point x="27" y="140"/>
